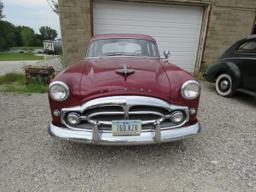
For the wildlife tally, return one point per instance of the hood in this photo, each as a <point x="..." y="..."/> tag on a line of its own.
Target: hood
<point x="100" y="76"/>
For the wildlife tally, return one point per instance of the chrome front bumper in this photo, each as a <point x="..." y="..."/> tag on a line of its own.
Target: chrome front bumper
<point x="106" y="138"/>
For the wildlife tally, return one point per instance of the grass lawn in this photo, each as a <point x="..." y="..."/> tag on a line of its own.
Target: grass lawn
<point x="13" y="82"/>
<point x="6" y="56"/>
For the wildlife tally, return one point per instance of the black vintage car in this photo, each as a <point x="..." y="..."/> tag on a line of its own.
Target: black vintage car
<point x="235" y="69"/>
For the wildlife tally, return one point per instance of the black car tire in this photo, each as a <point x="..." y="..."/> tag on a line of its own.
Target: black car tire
<point x="224" y="85"/>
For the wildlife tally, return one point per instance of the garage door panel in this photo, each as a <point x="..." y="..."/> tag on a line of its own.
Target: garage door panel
<point x="177" y="47"/>
<point x="136" y="18"/>
<point x="176" y="28"/>
<point x="147" y="24"/>
<point x="157" y="11"/>
<point x="156" y="32"/>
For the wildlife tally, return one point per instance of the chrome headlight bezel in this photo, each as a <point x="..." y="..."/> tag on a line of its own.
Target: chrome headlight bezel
<point x="177" y="114"/>
<point x="185" y="87"/>
<point x="61" y="85"/>
<point x="73" y="118"/>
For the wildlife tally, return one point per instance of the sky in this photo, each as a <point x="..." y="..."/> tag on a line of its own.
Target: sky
<point x="32" y="13"/>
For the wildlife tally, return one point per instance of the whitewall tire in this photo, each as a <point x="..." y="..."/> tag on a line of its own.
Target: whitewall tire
<point x="224" y="85"/>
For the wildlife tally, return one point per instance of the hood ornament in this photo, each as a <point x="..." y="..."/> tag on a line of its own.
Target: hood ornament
<point x="125" y="71"/>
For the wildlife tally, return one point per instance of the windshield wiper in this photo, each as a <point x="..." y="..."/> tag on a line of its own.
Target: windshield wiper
<point x="123" y="54"/>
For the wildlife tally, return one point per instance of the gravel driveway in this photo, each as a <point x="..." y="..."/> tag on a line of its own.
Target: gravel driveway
<point x="221" y="158"/>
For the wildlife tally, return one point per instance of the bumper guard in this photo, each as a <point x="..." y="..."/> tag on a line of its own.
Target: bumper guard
<point x="99" y="137"/>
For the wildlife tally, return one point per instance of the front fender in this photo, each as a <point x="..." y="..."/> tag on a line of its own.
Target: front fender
<point x="228" y="67"/>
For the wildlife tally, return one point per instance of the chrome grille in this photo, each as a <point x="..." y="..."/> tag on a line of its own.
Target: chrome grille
<point x="104" y="115"/>
<point x="103" y="111"/>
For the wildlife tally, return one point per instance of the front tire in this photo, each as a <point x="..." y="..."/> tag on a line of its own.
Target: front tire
<point x="224" y="85"/>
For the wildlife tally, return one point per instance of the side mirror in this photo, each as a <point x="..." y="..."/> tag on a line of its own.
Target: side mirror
<point x="167" y="54"/>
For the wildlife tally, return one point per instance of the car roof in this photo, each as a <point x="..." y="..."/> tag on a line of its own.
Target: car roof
<point x="122" y="36"/>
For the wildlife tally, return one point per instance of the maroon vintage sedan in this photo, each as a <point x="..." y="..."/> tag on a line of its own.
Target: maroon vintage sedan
<point x="123" y="93"/>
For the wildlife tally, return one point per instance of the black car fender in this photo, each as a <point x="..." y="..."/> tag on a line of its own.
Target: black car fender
<point x="229" y="68"/>
<point x="233" y="69"/>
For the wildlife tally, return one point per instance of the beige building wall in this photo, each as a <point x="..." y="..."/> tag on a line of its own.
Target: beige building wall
<point x="229" y="20"/>
<point x="75" y="28"/>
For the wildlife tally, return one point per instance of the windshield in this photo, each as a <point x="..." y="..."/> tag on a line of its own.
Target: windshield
<point x="122" y="47"/>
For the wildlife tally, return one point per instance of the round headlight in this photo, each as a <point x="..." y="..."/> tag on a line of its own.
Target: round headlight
<point x="190" y="90"/>
<point x="58" y="91"/>
<point x="177" y="117"/>
<point x="73" y="118"/>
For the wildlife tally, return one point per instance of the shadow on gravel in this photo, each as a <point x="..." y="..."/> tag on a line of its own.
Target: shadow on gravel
<point x="240" y="97"/>
<point x="246" y="99"/>
<point x="69" y="150"/>
<point x="147" y="149"/>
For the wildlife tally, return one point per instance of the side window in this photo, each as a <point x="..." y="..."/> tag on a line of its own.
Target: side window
<point x="151" y="50"/>
<point x="248" y="47"/>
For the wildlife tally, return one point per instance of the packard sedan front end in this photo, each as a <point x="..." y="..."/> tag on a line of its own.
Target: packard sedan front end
<point x="124" y="94"/>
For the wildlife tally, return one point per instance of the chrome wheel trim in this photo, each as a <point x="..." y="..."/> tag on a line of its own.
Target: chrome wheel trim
<point x="224" y="84"/>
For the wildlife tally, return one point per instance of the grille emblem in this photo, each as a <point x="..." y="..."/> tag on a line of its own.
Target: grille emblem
<point x="126" y="111"/>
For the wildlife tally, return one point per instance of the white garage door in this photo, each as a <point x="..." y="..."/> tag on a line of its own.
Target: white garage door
<point x="176" y="28"/>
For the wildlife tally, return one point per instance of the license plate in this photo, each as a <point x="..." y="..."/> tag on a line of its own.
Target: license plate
<point x="126" y="128"/>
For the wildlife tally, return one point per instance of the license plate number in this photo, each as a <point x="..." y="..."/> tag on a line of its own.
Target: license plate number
<point x="126" y="128"/>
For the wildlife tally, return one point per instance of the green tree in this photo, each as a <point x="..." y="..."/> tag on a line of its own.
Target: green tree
<point x="1" y="10"/>
<point x="7" y="35"/>
<point x="48" y="33"/>
<point x="27" y="36"/>
<point x="18" y="39"/>
<point x="38" y="41"/>
<point x="35" y="41"/>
